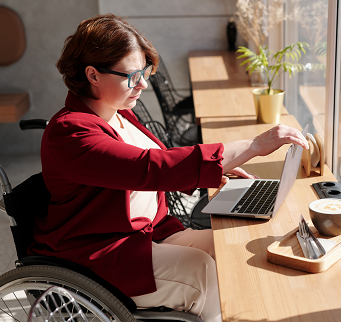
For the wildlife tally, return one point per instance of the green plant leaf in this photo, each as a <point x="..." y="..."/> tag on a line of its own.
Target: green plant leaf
<point x="247" y="61"/>
<point x="291" y="53"/>
<point x="297" y="52"/>
<point x="253" y="66"/>
<point x="245" y="55"/>
<point x="296" y="56"/>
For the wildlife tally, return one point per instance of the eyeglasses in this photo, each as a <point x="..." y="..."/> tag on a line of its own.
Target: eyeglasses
<point x="134" y="77"/>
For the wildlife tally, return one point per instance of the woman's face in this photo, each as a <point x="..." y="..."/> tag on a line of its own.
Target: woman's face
<point x="113" y="90"/>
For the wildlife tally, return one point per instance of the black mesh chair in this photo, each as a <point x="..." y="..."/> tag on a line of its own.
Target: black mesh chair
<point x="185" y="104"/>
<point x="178" y="210"/>
<point x="160" y="132"/>
<point x="197" y="216"/>
<point x="174" y="107"/>
<point x="141" y="112"/>
<point x="186" y="208"/>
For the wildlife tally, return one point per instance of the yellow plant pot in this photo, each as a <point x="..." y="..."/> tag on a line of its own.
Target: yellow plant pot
<point x="268" y="107"/>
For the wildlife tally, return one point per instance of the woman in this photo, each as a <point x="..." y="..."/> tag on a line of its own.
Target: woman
<point x="106" y="174"/>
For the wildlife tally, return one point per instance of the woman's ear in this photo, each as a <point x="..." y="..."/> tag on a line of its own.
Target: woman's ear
<point x="92" y="75"/>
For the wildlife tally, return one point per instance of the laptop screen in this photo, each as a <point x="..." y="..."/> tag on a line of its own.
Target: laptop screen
<point x="290" y="168"/>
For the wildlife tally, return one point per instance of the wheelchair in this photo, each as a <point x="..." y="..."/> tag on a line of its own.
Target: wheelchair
<point x="34" y="275"/>
<point x="56" y="304"/>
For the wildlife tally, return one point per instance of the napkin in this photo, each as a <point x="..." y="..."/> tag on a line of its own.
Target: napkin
<point x="326" y="243"/>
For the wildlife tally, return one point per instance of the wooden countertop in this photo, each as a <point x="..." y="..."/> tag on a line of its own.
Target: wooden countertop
<point x="251" y="288"/>
<point x="220" y="86"/>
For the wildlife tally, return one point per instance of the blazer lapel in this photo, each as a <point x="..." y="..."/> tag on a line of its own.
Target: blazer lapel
<point x="76" y="104"/>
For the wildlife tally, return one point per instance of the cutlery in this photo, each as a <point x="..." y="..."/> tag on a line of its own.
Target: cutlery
<point x="305" y="235"/>
<point x="317" y="242"/>
<point x="304" y="243"/>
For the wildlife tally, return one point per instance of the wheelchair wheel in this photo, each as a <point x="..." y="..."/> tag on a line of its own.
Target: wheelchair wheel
<point x="20" y="287"/>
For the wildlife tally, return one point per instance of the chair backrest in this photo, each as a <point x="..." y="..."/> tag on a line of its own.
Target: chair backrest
<point x="168" y="100"/>
<point x="141" y="112"/>
<point x="178" y="210"/>
<point x="160" y="132"/>
<point x="163" y="91"/>
<point x="26" y="201"/>
<point x="164" y="71"/>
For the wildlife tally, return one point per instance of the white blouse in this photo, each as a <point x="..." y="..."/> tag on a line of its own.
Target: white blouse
<point x="142" y="203"/>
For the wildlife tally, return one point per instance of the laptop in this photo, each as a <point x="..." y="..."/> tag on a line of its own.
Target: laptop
<point x="257" y="198"/>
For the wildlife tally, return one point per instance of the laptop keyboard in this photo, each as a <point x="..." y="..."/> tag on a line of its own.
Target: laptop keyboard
<point x="259" y="198"/>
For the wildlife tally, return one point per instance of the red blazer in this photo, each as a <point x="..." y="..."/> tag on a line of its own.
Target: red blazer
<point x="90" y="171"/>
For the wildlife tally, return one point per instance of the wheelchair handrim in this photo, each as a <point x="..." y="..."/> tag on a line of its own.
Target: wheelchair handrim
<point x="13" y="281"/>
<point x="43" y="287"/>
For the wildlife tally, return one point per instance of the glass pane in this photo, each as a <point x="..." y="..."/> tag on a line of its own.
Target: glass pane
<point x="305" y="92"/>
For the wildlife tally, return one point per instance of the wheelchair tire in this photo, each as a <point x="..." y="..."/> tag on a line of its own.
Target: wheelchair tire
<point x="34" y="280"/>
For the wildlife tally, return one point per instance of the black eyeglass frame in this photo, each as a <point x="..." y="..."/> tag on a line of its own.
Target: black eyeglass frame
<point x="109" y="71"/>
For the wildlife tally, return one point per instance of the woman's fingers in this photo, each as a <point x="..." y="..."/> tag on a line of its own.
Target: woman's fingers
<point x="289" y="135"/>
<point x="224" y="179"/>
<point x="239" y="172"/>
<point x="274" y="138"/>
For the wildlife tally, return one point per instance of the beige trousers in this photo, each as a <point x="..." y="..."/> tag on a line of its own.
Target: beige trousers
<point x="185" y="275"/>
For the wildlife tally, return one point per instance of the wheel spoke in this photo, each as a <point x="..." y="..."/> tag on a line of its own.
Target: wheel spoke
<point x="20" y="304"/>
<point x="9" y="314"/>
<point x="97" y="308"/>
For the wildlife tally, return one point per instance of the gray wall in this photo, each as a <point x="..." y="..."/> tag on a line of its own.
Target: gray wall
<point x="47" y="24"/>
<point x="174" y="27"/>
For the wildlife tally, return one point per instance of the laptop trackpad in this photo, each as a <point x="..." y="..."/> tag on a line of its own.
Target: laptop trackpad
<point x="230" y="194"/>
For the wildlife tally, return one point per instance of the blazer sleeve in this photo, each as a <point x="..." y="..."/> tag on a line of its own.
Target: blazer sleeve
<point x="86" y="152"/>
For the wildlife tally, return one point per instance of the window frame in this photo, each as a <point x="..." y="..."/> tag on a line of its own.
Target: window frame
<point x="277" y="39"/>
<point x="332" y="86"/>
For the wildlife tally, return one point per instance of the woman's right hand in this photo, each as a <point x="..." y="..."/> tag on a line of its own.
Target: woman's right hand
<point x="238" y="152"/>
<point x="274" y="138"/>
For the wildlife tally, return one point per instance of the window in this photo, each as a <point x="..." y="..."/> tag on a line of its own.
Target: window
<point x="306" y="92"/>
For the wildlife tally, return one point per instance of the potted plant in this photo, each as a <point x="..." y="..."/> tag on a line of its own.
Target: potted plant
<point x="269" y="101"/>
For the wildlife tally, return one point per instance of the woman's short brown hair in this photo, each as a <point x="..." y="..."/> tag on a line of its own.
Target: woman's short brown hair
<point x="101" y="41"/>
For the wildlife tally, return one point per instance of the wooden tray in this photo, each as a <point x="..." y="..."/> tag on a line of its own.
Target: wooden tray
<point x="288" y="252"/>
